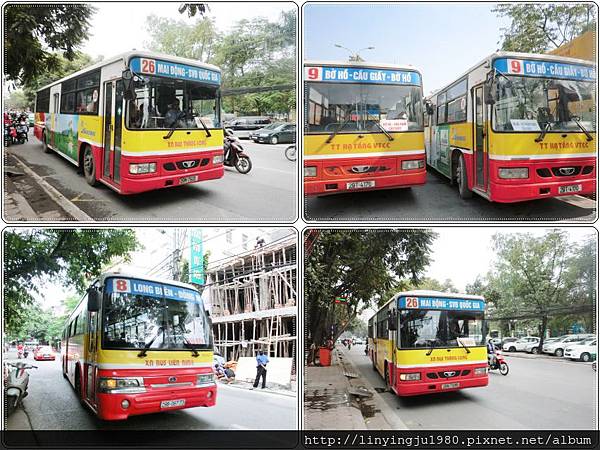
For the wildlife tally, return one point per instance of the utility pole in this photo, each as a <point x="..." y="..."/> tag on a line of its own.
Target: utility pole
<point x="176" y="256"/>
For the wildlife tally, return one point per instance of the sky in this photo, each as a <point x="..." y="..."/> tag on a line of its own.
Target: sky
<point x="130" y="21"/>
<point x="442" y="40"/>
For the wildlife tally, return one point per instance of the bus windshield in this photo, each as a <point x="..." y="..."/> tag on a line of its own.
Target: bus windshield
<point x="433" y="328"/>
<point x="532" y="104"/>
<point x="137" y="321"/>
<point x="165" y="103"/>
<point x="364" y="108"/>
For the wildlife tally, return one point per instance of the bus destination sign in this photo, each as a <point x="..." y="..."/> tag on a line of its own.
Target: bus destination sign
<point x="546" y="69"/>
<point x="150" y="289"/>
<point x="458" y="304"/>
<point x="174" y="70"/>
<point x="361" y="75"/>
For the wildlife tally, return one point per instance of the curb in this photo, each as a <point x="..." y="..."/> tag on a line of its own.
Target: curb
<point x="292" y="394"/>
<point x="62" y="201"/>
<point x="389" y="415"/>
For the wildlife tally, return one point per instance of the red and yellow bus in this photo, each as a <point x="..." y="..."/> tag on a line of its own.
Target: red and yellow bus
<point x="138" y="345"/>
<point x="423" y="342"/>
<point x="516" y="127"/>
<point x="363" y="127"/>
<point x="136" y="122"/>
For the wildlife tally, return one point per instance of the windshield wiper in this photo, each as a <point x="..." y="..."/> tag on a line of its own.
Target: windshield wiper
<point x="170" y="133"/>
<point x="588" y="136"/>
<point x="463" y="345"/>
<point x="142" y="354"/>
<point x="542" y="135"/>
<point x="194" y="350"/>
<point x="206" y="130"/>
<point x="332" y="135"/>
<point x="431" y="348"/>
<point x="388" y="135"/>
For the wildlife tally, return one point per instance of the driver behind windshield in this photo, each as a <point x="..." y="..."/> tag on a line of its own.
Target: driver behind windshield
<point x="173" y="115"/>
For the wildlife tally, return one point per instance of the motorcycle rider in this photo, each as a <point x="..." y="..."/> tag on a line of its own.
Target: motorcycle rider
<point x="20" y="350"/>
<point x="491" y="352"/>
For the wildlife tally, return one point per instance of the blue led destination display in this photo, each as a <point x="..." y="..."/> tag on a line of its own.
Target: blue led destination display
<point x="150" y="289"/>
<point x="546" y="69"/>
<point x="161" y="68"/>
<point x="456" y="304"/>
<point x="361" y="75"/>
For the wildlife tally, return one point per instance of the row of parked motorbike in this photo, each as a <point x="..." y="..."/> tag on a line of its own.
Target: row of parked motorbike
<point x="16" y="129"/>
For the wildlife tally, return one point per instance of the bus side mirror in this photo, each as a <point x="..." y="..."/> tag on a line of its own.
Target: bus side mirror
<point x="489" y="90"/>
<point x="94" y="299"/>
<point x="128" y="92"/>
<point x="429" y="108"/>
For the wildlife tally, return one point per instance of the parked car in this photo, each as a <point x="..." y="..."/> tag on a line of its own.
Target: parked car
<point x="254" y="134"/>
<point x="520" y="345"/>
<point x="497" y="342"/>
<point x="508" y="339"/>
<point x="44" y="353"/>
<point x="242" y="126"/>
<point x="557" y="348"/>
<point x="284" y="133"/>
<point x="584" y="351"/>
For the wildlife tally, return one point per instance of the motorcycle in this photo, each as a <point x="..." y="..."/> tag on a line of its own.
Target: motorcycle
<point x="7" y="137"/>
<point x="234" y="153"/>
<point x="15" y="385"/>
<point x="290" y="153"/>
<point x="22" y="130"/>
<point x="499" y="363"/>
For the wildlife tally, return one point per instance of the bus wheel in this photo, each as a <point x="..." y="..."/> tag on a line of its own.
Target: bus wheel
<point x="89" y="166"/>
<point x="373" y="362"/>
<point x="461" y="177"/>
<point x="78" y="384"/>
<point x="386" y="376"/>
<point x="45" y="143"/>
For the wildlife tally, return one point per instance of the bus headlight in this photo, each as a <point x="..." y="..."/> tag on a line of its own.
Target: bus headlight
<point x="218" y="159"/>
<point x="413" y="164"/>
<point x="410" y="376"/>
<point x="138" y="169"/>
<point x="121" y="385"/>
<point x="310" y="171"/>
<point x="513" y="172"/>
<point x="480" y="371"/>
<point x="205" y="378"/>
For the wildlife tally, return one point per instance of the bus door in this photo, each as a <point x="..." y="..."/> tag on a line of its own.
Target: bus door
<point x="393" y="339"/>
<point x="91" y="358"/>
<point x="480" y="153"/>
<point x="113" y="127"/>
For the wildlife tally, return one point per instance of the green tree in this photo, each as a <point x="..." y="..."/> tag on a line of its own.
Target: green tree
<point x="538" y="28"/>
<point x="360" y="266"/>
<point x="31" y="29"/>
<point x="17" y="100"/>
<point x="71" y="257"/>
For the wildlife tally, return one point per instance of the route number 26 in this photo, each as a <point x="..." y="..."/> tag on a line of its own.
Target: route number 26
<point x="148" y="65"/>
<point x="412" y="302"/>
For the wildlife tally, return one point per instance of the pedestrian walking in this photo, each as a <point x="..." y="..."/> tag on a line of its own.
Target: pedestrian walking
<point x="261" y="369"/>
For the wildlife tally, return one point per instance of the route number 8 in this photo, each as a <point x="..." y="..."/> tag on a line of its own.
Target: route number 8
<point x="122" y="285"/>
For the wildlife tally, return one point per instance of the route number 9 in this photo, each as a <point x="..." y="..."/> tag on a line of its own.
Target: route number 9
<point x="412" y="302"/>
<point x="313" y="73"/>
<point x="515" y="66"/>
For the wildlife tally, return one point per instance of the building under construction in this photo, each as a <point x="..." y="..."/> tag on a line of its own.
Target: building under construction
<point x="254" y="301"/>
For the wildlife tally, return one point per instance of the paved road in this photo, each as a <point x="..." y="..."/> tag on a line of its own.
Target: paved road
<point x="53" y="405"/>
<point x="437" y="200"/>
<point x="538" y="393"/>
<point x="268" y="192"/>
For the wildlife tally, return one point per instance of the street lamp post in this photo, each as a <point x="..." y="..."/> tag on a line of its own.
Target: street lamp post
<point x="354" y="55"/>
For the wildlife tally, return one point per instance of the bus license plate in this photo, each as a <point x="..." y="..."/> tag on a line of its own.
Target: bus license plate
<point x="569" y="189"/>
<point x="360" y="184"/>
<point x="450" y="385"/>
<point x="190" y="179"/>
<point x="172" y="403"/>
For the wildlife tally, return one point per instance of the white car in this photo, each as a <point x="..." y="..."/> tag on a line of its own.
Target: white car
<point x="582" y="351"/>
<point x="521" y="345"/>
<point x="557" y="348"/>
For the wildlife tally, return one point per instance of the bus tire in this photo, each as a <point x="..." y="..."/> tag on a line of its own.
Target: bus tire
<point x="78" y="383"/>
<point x="373" y="362"/>
<point x="386" y="376"/>
<point x="461" y="177"/>
<point x="89" y="165"/>
<point x="45" y="143"/>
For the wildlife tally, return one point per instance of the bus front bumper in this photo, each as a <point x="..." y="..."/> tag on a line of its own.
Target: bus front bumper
<point x="427" y="385"/>
<point x="111" y="406"/>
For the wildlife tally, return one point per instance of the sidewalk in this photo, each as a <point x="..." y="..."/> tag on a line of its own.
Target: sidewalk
<point x="338" y="397"/>
<point x="28" y="196"/>
<point x="271" y="388"/>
